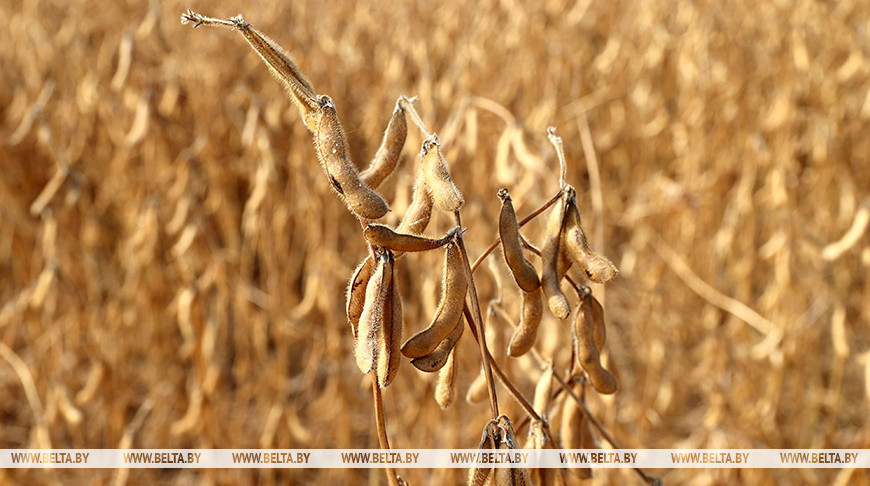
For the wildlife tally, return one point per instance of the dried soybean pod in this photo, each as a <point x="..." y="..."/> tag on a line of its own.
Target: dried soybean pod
<point x="597" y="268"/>
<point x="444" y="193"/>
<point x="587" y="352"/>
<point x="479" y="475"/>
<point x="445" y="391"/>
<point x="388" y="153"/>
<point x="356" y="293"/>
<point x="526" y="333"/>
<point x="395" y="359"/>
<point x="377" y="293"/>
<point x="435" y="360"/>
<point x="556" y="299"/>
<point x="420" y="211"/>
<point x="390" y="333"/>
<point x="382" y="235"/>
<point x="509" y="231"/>
<point x="280" y="63"/>
<point x="478" y="391"/>
<point x="514" y="476"/>
<point x="384" y="338"/>
<point x="449" y="309"/>
<point x="333" y="152"/>
<point x="599" y="331"/>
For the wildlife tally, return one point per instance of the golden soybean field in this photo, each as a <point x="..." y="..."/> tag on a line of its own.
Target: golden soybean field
<point x="173" y="262"/>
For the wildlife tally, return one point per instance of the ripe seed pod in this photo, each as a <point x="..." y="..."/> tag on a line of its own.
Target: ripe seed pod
<point x="556" y="299"/>
<point x="597" y="268"/>
<point x="280" y="63"/>
<point x="514" y="476"/>
<point x="435" y="360"/>
<point x="445" y="391"/>
<point x="333" y="152"/>
<point x="388" y="153"/>
<point x="384" y="236"/>
<point x="356" y="293"/>
<point x="599" y="331"/>
<point x="587" y="353"/>
<point x="479" y="475"/>
<point x="526" y="333"/>
<point x="420" y="211"/>
<point x="445" y="194"/>
<point x="509" y="231"/>
<point x="397" y="326"/>
<point x="373" y="315"/>
<point x="449" y="309"/>
<point x="390" y="333"/>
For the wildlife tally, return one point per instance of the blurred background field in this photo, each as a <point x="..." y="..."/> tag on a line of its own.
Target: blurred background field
<point x="173" y="264"/>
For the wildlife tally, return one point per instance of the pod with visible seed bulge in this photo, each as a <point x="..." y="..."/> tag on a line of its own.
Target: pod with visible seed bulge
<point x="597" y="268"/>
<point x="479" y="475"/>
<point x="599" y="332"/>
<point x="397" y="326"/>
<point x="280" y="63"/>
<point x="334" y="155"/>
<point x="556" y="299"/>
<point x="381" y="235"/>
<point x="420" y="211"/>
<point x="388" y="153"/>
<point x="587" y="352"/>
<point x="571" y="430"/>
<point x="525" y="334"/>
<point x="445" y="391"/>
<point x="356" y="293"/>
<point x="509" y="231"/>
<point x="435" y="360"/>
<point x="444" y="193"/>
<point x="390" y="333"/>
<point x="373" y="314"/>
<point x="449" y="309"/>
<point x="478" y="391"/>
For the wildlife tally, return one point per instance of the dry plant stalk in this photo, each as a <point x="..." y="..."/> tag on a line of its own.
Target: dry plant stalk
<point x="373" y="303"/>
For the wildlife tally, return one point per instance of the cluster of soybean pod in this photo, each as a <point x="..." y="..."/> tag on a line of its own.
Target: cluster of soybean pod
<point x="374" y="304"/>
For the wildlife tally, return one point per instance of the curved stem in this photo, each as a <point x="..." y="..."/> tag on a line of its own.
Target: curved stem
<point x="382" y="426"/>
<point x="477" y="328"/>
<point x="604" y="433"/>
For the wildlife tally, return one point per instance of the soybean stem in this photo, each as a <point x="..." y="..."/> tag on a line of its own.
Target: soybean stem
<point x="382" y="426"/>
<point x="478" y="322"/>
<point x="407" y="104"/>
<point x="649" y="479"/>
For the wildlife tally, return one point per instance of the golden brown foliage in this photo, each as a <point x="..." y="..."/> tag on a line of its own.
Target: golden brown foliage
<point x="172" y="261"/>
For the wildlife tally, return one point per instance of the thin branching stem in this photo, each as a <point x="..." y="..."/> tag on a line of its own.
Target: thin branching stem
<point x="604" y="433"/>
<point x="514" y="391"/>
<point x="477" y="321"/>
<point x="492" y="246"/>
<point x="408" y="105"/>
